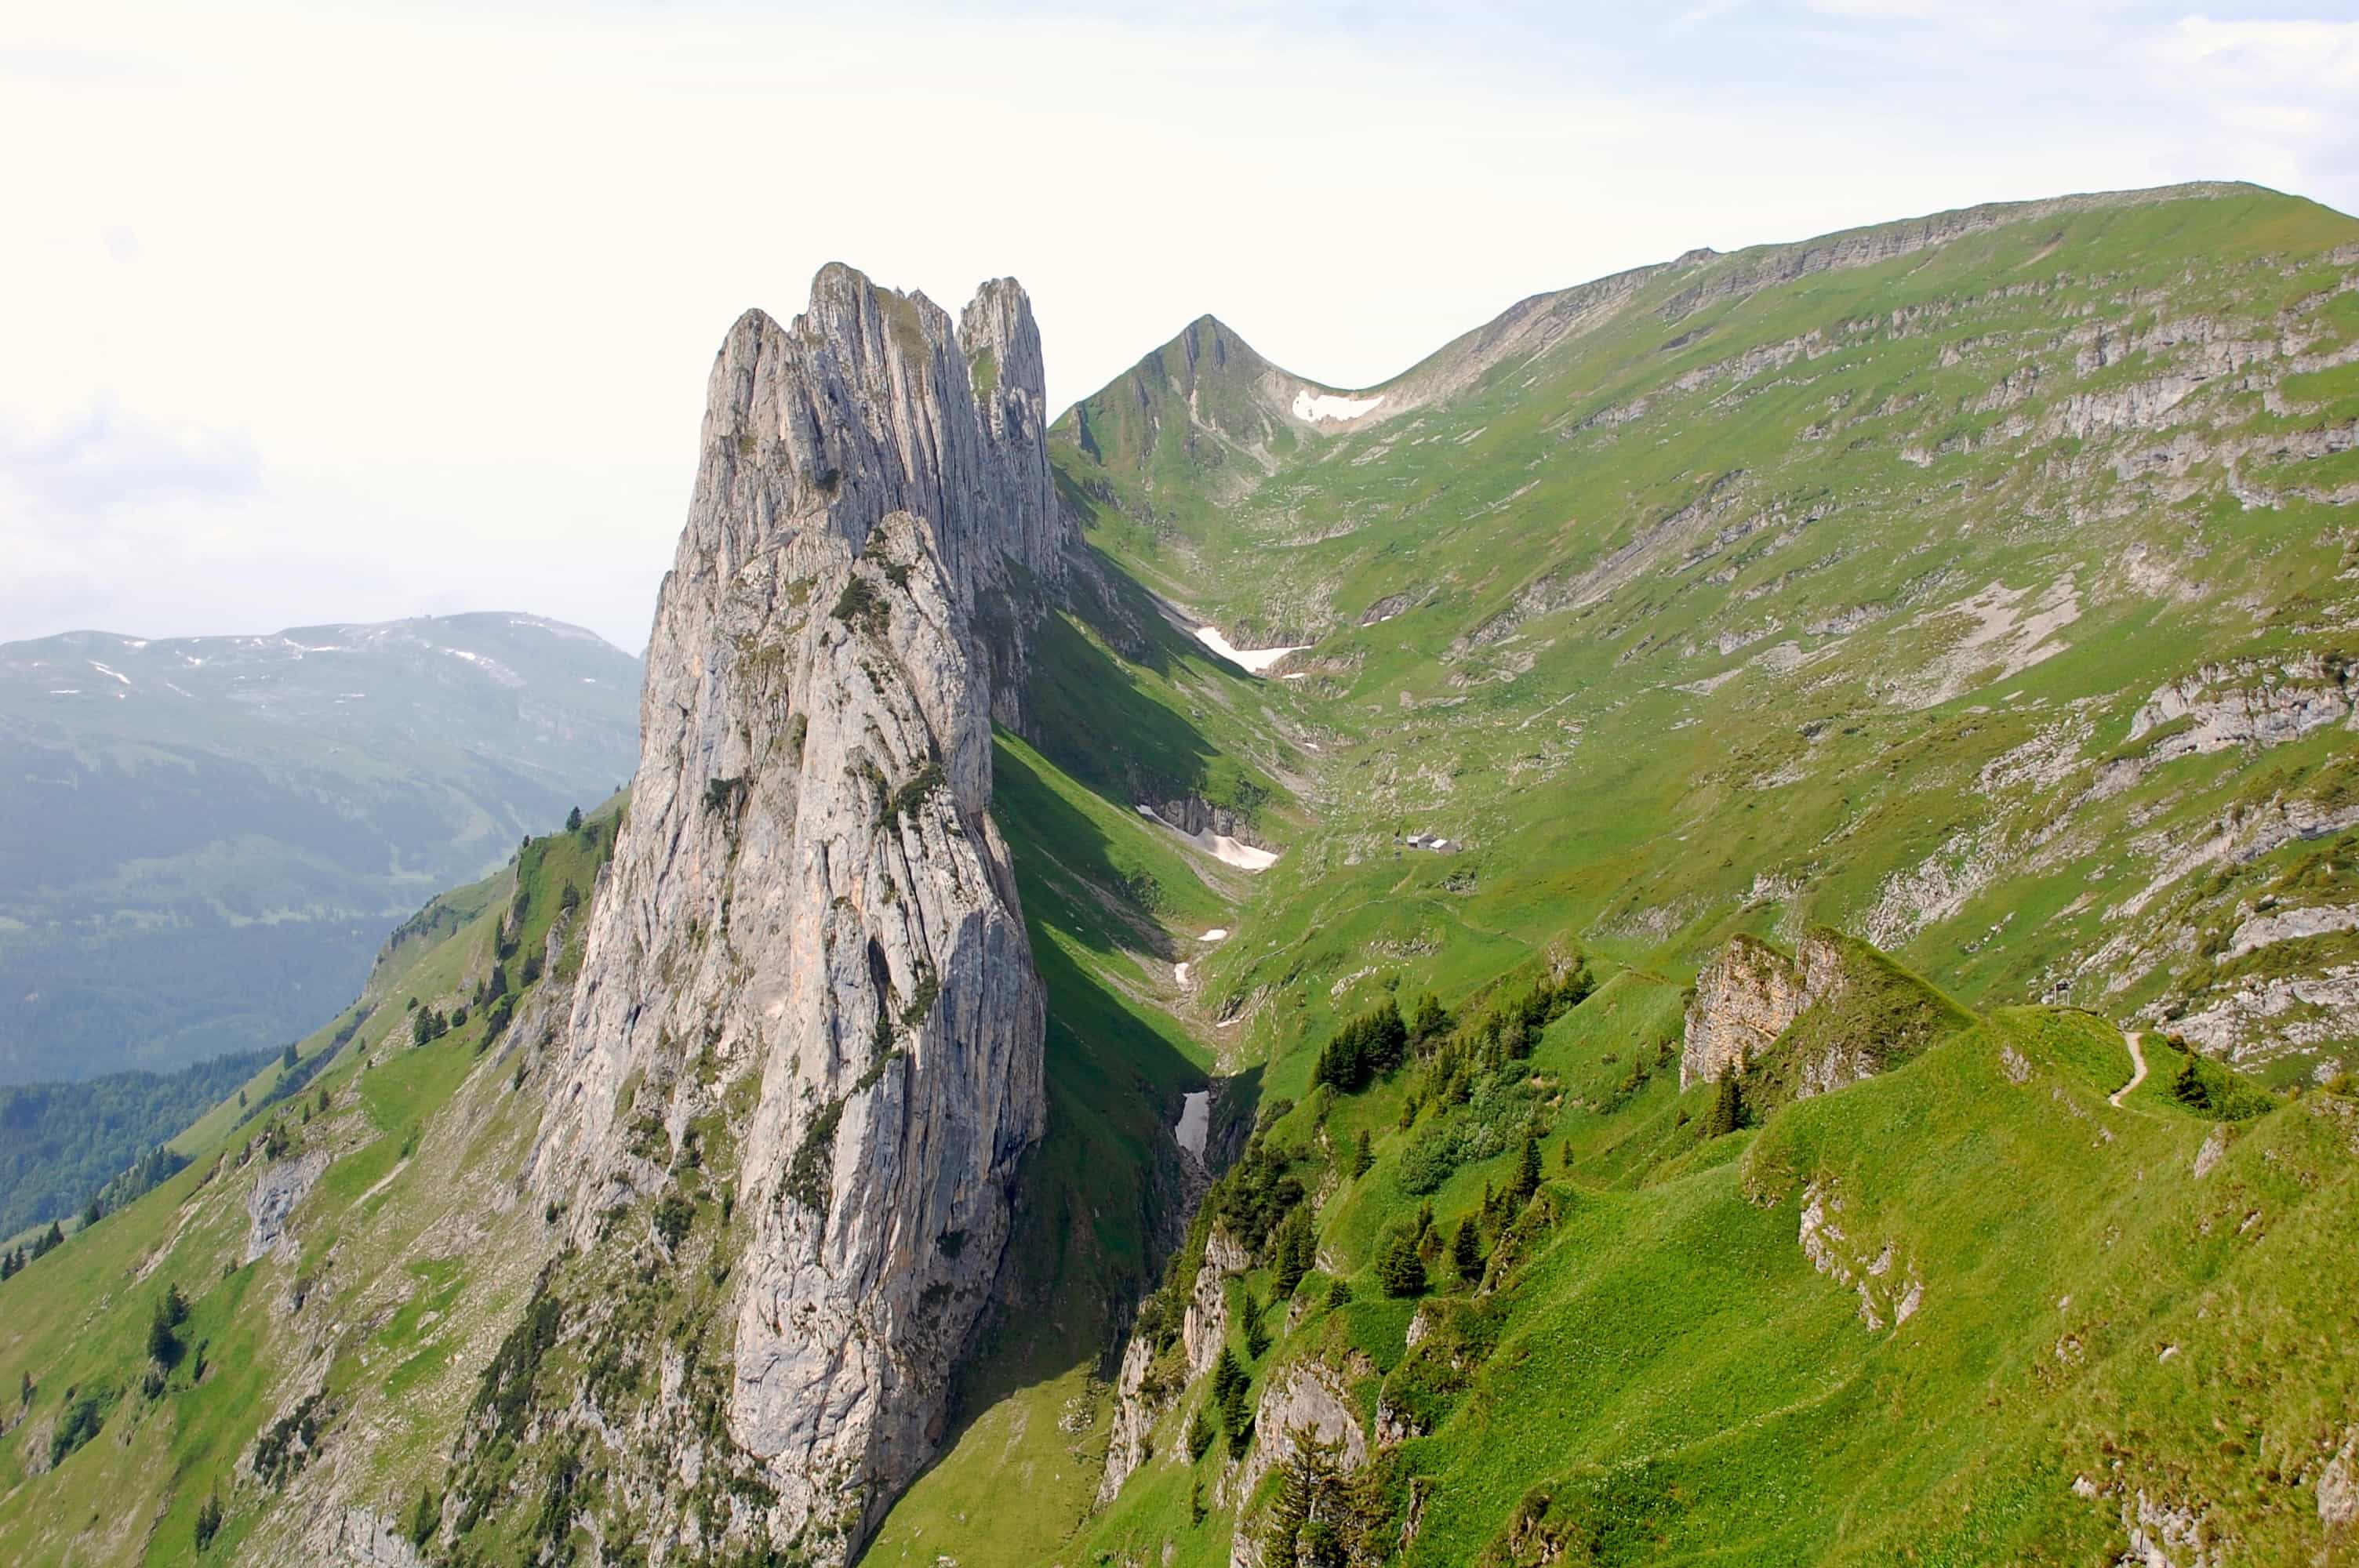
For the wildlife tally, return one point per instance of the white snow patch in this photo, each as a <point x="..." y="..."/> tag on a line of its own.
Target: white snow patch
<point x="1195" y="1119"/>
<point x="111" y="674"/>
<point x="471" y="658"/>
<point x="1180" y="973"/>
<point x="1232" y="851"/>
<point x="1217" y="933"/>
<point x="65" y="691"/>
<point x="1221" y="847"/>
<point x="1254" y="659"/>
<point x="1317" y="405"/>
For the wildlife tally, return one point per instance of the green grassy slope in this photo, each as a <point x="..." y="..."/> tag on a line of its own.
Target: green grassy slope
<point x="356" y="1341"/>
<point x="1658" y="1372"/>
<point x="1755" y="598"/>
<point x="1974" y="586"/>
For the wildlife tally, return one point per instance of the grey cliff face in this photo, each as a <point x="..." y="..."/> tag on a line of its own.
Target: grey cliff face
<point x="1745" y="999"/>
<point x="811" y="926"/>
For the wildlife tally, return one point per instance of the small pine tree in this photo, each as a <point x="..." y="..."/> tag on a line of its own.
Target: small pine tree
<point x="209" y="1519"/>
<point x="1466" y="1251"/>
<point x="1196" y="1508"/>
<point x="1339" y="1294"/>
<point x="573" y="820"/>
<point x="2189" y="1087"/>
<point x="1228" y="1376"/>
<point x="1236" y="1420"/>
<point x="426" y="1519"/>
<point x="1727" y="1106"/>
<point x="1400" y="1270"/>
<point x="1289" y="1512"/>
<point x="1429" y="1023"/>
<point x="1528" y="1170"/>
<point x="1256" y="1328"/>
<point x="1363" y="1154"/>
<point x="287" y="1057"/>
<point x="1294" y="1253"/>
<point x="163" y="1345"/>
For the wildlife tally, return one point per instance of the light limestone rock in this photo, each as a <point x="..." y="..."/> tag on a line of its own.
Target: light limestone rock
<point x="1304" y="1401"/>
<point x="808" y="894"/>
<point x="1134" y="1414"/>
<point x="2338" y="1485"/>
<point x="1206" y="1326"/>
<point x="1745" y="999"/>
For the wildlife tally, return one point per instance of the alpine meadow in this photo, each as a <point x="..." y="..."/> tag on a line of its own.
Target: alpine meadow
<point x="1715" y="926"/>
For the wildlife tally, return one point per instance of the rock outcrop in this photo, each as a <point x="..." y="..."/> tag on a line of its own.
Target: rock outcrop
<point x="1205" y="1328"/>
<point x="1305" y="1402"/>
<point x="1136" y="1412"/>
<point x="811" y="927"/>
<point x="277" y="1192"/>
<point x="1745" y="997"/>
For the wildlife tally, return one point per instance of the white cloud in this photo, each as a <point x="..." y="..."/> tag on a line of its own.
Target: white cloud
<point x="100" y="460"/>
<point x="2284" y="56"/>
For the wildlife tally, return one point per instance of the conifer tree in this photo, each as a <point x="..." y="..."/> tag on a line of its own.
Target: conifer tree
<point x="1400" y="1270"/>
<point x="1727" y="1105"/>
<point x="1466" y="1251"/>
<point x="1528" y="1170"/>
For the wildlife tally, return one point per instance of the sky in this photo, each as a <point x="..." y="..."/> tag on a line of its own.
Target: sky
<point x="327" y="312"/>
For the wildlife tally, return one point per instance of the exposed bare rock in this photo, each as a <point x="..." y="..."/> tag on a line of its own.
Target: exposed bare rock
<point x="1206" y="1327"/>
<point x="2215" y="1150"/>
<point x="2211" y="717"/>
<point x="808" y="893"/>
<point x="1134" y="1414"/>
<point x="2293" y="925"/>
<point x="372" y="1539"/>
<point x="2163" y="1535"/>
<point x="2260" y="1018"/>
<point x="1303" y="1400"/>
<point x="1745" y="999"/>
<point x="277" y="1191"/>
<point x="2338" y="1484"/>
<point x="1887" y="1295"/>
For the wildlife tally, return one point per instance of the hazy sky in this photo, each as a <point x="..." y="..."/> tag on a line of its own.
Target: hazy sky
<point x="348" y="312"/>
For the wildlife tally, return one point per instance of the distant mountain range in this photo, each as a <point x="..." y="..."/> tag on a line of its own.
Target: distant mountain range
<point x="207" y="838"/>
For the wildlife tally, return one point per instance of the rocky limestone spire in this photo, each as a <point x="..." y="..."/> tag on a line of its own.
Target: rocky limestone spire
<point x="810" y="929"/>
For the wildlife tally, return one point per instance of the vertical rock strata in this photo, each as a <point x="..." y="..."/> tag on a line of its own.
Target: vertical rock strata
<point x="810" y="930"/>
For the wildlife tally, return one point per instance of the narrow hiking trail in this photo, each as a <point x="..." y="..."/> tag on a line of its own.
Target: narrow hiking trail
<point x="2137" y="1070"/>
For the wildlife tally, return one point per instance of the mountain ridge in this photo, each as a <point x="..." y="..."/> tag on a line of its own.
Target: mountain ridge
<point x="1478" y="1178"/>
<point x="246" y="814"/>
